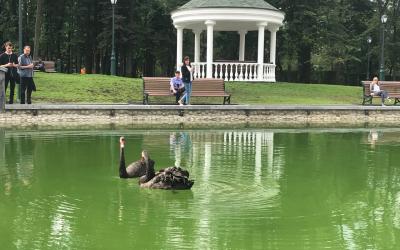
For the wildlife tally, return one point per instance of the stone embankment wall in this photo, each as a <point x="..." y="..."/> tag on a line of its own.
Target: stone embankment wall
<point x="229" y="115"/>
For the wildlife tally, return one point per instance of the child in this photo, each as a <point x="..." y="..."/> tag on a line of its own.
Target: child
<point x="178" y="88"/>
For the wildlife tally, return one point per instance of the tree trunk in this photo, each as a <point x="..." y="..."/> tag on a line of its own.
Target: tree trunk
<point x="38" y="28"/>
<point x="395" y="56"/>
<point x="88" y="61"/>
<point x="304" y="61"/>
<point x="149" y="65"/>
<point x="97" y="62"/>
<point x="69" y="55"/>
<point x="105" y="65"/>
<point x="129" y="64"/>
<point x="90" y="37"/>
<point x="134" y="68"/>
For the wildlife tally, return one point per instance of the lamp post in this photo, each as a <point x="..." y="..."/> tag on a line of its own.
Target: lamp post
<point x="369" y="41"/>
<point x="20" y="50"/>
<point x="113" y="66"/>
<point x="382" y="64"/>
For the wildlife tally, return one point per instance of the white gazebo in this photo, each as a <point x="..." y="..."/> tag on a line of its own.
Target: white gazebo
<point x="229" y="15"/>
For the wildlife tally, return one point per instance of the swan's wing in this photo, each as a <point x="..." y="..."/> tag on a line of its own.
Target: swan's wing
<point x="136" y="169"/>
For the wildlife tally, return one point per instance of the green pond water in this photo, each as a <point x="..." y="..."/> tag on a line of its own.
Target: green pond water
<point x="254" y="189"/>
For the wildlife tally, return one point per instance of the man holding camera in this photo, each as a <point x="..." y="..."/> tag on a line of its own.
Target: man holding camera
<point x="26" y="74"/>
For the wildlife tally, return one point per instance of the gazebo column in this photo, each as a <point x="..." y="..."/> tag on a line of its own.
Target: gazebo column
<point x="197" y="36"/>
<point x="210" y="47"/>
<point x="261" y="41"/>
<point x="242" y="45"/>
<point x="179" y="46"/>
<point x="272" y="52"/>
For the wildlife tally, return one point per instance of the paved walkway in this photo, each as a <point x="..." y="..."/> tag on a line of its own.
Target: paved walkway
<point x="194" y="107"/>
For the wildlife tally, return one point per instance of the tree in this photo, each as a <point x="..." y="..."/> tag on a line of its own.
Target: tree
<point x="38" y="28"/>
<point x="321" y="41"/>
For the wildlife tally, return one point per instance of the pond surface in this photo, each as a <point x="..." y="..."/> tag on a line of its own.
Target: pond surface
<point x="254" y="189"/>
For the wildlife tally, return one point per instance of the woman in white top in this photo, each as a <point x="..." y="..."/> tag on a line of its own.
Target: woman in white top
<point x="376" y="90"/>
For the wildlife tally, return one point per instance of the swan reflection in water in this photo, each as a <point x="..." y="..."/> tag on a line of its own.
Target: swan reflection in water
<point x="168" y="178"/>
<point x="373" y="137"/>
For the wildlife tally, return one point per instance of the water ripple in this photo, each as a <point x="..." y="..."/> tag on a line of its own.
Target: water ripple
<point x="252" y="191"/>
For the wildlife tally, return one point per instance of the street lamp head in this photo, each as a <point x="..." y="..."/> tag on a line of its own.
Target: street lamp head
<point x="384" y="18"/>
<point x="369" y="40"/>
<point x="114" y="2"/>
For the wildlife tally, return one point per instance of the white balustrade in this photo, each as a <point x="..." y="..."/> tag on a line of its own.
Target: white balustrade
<point x="269" y="72"/>
<point x="236" y="71"/>
<point x="226" y="73"/>
<point x="199" y="70"/>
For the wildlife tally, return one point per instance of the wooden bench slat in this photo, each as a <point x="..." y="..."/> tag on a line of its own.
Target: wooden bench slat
<point x="160" y="86"/>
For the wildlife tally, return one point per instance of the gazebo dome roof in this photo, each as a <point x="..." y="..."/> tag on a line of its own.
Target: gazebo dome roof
<point x="228" y="15"/>
<point x="254" y="4"/>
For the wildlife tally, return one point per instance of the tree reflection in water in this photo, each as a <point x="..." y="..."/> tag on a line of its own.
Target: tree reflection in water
<point x="260" y="189"/>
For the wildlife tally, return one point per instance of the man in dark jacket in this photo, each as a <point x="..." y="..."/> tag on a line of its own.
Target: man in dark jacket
<point x="9" y="60"/>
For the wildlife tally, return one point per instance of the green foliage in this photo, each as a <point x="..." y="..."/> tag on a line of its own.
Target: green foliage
<point x="317" y="37"/>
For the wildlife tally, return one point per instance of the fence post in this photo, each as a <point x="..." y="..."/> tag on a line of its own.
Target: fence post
<point x="2" y="89"/>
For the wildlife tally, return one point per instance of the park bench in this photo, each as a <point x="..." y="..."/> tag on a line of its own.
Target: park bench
<point x="49" y="66"/>
<point x="160" y="86"/>
<point x="392" y="87"/>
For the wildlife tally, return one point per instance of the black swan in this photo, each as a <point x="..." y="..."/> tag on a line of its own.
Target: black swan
<point x="174" y="178"/>
<point x="135" y="169"/>
<point x="170" y="178"/>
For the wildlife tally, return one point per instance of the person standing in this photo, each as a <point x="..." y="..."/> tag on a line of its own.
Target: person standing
<point x="26" y="74"/>
<point x="9" y="60"/>
<point x="187" y="77"/>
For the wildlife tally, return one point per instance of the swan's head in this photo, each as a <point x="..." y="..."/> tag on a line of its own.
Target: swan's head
<point x="122" y="142"/>
<point x="145" y="155"/>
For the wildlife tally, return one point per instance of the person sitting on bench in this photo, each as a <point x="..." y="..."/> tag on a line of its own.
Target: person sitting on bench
<point x="39" y="65"/>
<point x="376" y="90"/>
<point x="178" y="88"/>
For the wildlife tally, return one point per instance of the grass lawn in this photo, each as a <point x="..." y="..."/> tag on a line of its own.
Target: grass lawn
<point x="72" y="88"/>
